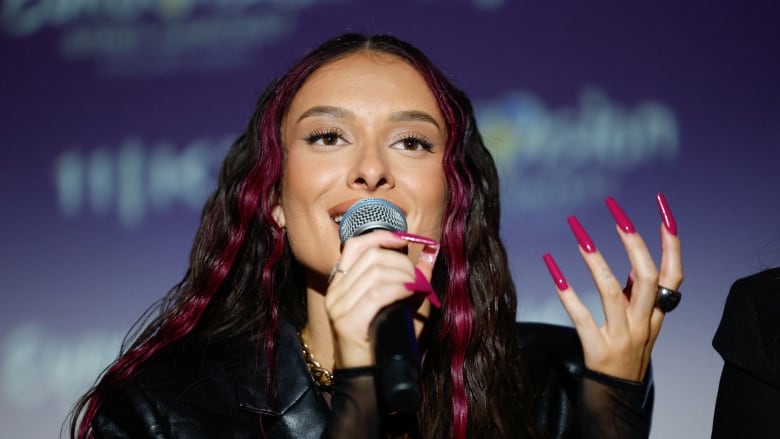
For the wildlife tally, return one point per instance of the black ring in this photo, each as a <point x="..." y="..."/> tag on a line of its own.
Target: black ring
<point x="667" y="299"/>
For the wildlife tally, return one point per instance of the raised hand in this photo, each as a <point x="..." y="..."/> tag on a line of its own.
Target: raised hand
<point x="633" y="313"/>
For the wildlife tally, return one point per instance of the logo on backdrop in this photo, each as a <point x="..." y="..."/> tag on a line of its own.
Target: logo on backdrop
<point x="133" y="180"/>
<point x="547" y="158"/>
<point x="138" y="37"/>
<point x="141" y="37"/>
<point x="550" y="158"/>
<point x="38" y="365"/>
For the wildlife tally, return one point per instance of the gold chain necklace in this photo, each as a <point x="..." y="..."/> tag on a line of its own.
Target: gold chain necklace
<point x="321" y="376"/>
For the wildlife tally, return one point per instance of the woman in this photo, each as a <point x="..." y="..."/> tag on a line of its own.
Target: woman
<point x="372" y="117"/>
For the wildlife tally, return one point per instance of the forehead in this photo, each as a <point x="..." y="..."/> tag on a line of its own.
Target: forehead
<point x="366" y="76"/>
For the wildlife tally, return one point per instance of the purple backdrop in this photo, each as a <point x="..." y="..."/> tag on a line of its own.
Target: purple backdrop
<point x="115" y="116"/>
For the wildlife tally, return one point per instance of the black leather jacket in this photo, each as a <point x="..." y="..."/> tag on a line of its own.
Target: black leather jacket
<point x="217" y="391"/>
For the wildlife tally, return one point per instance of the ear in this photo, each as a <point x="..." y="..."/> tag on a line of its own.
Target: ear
<point x="278" y="214"/>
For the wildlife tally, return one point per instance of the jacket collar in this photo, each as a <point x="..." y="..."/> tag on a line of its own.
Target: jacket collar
<point x="292" y="375"/>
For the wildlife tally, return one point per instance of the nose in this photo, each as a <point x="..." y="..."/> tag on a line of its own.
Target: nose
<point x="371" y="170"/>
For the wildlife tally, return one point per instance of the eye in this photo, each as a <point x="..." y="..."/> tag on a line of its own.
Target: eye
<point x="413" y="143"/>
<point x="326" y="137"/>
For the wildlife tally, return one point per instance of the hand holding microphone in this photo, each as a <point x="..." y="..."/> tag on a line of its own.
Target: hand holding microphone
<point x="391" y="330"/>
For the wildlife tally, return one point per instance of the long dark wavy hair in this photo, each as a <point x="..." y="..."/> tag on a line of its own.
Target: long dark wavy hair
<point x="242" y="274"/>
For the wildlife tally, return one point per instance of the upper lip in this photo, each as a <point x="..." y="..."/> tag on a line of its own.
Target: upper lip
<point x="339" y="209"/>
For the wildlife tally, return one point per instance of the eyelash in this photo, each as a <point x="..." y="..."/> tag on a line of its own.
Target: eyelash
<point x="421" y="140"/>
<point x="321" y="134"/>
<point x="335" y="134"/>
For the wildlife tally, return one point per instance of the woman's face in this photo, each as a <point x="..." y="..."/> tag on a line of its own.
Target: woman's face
<point x="366" y="125"/>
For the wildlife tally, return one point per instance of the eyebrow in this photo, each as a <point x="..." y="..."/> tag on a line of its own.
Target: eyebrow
<point x="343" y="113"/>
<point x="413" y="116"/>
<point x="324" y="110"/>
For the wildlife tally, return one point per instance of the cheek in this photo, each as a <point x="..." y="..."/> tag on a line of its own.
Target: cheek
<point x="292" y="181"/>
<point x="437" y="191"/>
<point x="433" y="194"/>
<point x="442" y="197"/>
<point x="303" y="180"/>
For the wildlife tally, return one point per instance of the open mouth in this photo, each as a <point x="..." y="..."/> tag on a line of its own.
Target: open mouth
<point x="336" y="212"/>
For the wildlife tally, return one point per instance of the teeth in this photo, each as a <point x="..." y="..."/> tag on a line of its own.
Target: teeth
<point x="338" y="218"/>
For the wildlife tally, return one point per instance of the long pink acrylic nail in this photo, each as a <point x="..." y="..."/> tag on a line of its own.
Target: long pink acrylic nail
<point x="421" y="285"/>
<point x="666" y="214"/>
<point x="418" y="239"/>
<point x="582" y="236"/>
<point x="555" y="272"/>
<point x="429" y="254"/>
<point x="620" y="217"/>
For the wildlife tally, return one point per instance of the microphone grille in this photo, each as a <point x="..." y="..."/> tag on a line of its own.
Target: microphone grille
<point x="370" y="214"/>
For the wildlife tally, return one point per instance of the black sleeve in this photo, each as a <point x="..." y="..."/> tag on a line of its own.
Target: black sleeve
<point x="610" y="407"/>
<point x="354" y="405"/>
<point x="572" y="402"/>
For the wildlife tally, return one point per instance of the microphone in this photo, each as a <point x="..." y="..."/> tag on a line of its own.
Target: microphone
<point x="397" y="372"/>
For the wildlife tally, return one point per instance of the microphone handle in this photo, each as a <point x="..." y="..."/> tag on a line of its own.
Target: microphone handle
<point x="397" y="372"/>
